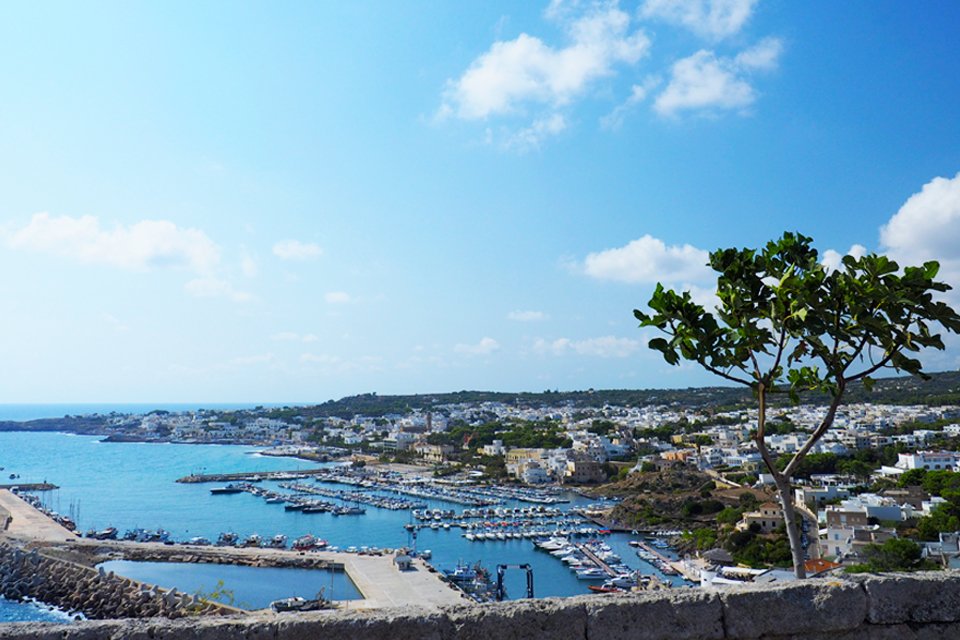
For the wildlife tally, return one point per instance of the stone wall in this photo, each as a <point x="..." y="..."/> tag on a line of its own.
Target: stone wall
<point x="96" y="594"/>
<point x="898" y="607"/>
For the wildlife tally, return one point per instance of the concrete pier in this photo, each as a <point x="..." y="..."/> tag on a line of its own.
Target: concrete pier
<point x="29" y="524"/>
<point x="377" y="577"/>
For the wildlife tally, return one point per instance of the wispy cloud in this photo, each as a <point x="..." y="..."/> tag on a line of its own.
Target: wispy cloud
<point x="526" y="316"/>
<point x="145" y="245"/>
<point x="712" y="19"/>
<point x="600" y="347"/>
<point x="530" y="138"/>
<point x="290" y="336"/>
<point x="115" y="322"/>
<point x="252" y="360"/>
<point x="486" y="346"/>
<point x="248" y="265"/>
<point x="296" y="250"/>
<point x="214" y="287"/>
<point x="337" y="297"/>
<point x="638" y="93"/>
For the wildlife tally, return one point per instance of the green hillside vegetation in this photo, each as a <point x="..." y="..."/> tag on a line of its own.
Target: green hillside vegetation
<point x="680" y="497"/>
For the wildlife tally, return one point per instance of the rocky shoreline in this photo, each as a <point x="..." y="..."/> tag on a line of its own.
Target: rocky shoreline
<point x="98" y="595"/>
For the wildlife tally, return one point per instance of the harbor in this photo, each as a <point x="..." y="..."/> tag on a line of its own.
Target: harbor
<point x="375" y="576"/>
<point x="186" y="520"/>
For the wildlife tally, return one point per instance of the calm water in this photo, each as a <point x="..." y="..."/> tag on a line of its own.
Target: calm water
<point x="249" y="587"/>
<point x="129" y="485"/>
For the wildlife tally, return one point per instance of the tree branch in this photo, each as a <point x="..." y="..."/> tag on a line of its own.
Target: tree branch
<point x="761" y="431"/>
<point x="818" y="432"/>
<point x="724" y="375"/>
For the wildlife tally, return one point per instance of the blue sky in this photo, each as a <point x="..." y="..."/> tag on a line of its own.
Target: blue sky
<point x="294" y="202"/>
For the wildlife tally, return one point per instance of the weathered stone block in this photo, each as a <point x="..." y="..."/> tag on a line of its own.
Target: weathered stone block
<point x="803" y="607"/>
<point x="96" y="630"/>
<point x="31" y="631"/>
<point x="946" y="631"/>
<point x="211" y="628"/>
<point x="684" y="614"/>
<point x="519" y="620"/>
<point x="388" y="624"/>
<point x="865" y="632"/>
<point x="917" y="597"/>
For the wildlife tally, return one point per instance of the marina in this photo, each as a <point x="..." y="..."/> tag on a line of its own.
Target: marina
<point x="107" y="484"/>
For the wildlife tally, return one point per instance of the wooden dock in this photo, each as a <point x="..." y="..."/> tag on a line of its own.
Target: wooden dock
<point x="585" y="550"/>
<point x="676" y="565"/>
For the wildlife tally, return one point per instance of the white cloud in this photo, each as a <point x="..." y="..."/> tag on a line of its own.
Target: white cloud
<point x="832" y="259"/>
<point x="927" y="227"/>
<point x="762" y="56"/>
<point x="638" y="93"/>
<point x="332" y="364"/>
<point x="296" y="250"/>
<point x="337" y="297"/>
<point x="601" y="347"/>
<point x="526" y="316"/>
<point x="705" y="82"/>
<point x="214" y="287"/>
<point x="713" y="19"/>
<point x="534" y="80"/>
<point x="145" y="245"/>
<point x="649" y="260"/>
<point x="486" y="346"/>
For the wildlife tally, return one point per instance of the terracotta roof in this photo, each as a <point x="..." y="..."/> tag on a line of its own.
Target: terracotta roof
<point x="814" y="567"/>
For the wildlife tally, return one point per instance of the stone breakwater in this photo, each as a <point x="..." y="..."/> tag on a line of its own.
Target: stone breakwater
<point x="898" y="607"/>
<point x="95" y="594"/>
<point x="215" y="555"/>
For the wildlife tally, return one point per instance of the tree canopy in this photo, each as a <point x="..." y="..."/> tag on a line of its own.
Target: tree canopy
<point x="785" y="323"/>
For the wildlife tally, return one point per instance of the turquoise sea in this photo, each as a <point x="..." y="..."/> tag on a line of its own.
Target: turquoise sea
<point x="130" y="485"/>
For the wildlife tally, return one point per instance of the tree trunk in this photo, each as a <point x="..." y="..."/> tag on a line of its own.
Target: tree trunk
<point x="791" y="522"/>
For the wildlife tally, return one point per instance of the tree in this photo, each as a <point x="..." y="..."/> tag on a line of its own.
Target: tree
<point x="895" y="554"/>
<point x="784" y="323"/>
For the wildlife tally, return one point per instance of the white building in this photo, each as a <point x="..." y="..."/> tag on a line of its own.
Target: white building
<point x="929" y="460"/>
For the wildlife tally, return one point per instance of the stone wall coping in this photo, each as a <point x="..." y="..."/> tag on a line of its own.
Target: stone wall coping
<point x="915" y="606"/>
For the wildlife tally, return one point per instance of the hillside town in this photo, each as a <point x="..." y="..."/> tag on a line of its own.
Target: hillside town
<point x="883" y="472"/>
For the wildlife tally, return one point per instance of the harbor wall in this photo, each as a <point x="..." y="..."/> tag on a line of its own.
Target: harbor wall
<point x="902" y="607"/>
<point x="96" y="594"/>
